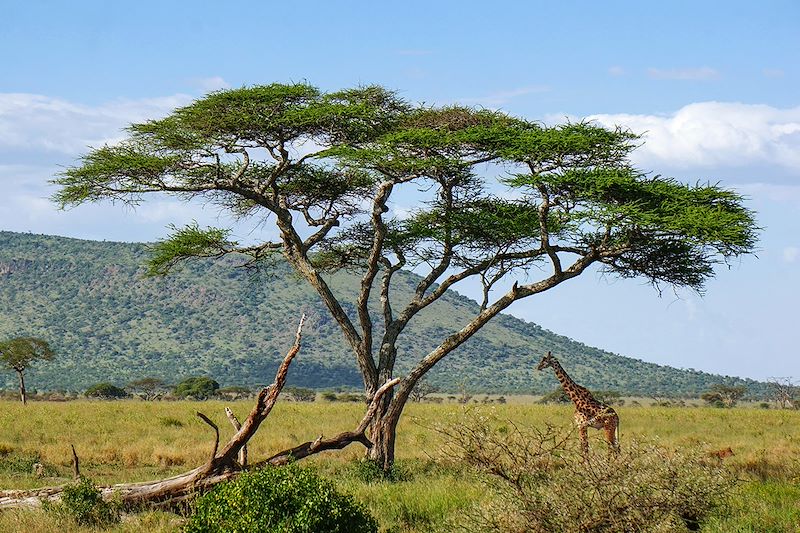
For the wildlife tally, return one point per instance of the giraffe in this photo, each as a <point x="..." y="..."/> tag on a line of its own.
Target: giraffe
<point x="588" y="411"/>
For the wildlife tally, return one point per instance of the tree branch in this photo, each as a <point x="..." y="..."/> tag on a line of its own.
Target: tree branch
<point x="373" y="262"/>
<point x="339" y="441"/>
<point x="208" y="421"/>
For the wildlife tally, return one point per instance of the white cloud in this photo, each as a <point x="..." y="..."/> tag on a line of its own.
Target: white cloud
<point x="715" y="134"/>
<point x="791" y="253"/>
<point x="214" y="83"/>
<point x="701" y="73"/>
<point x="616" y="70"/>
<point x="34" y="122"/>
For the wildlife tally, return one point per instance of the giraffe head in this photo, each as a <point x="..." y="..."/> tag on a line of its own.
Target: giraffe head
<point x="547" y="361"/>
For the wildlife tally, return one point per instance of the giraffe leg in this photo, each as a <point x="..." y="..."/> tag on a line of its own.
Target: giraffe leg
<point x="584" y="435"/>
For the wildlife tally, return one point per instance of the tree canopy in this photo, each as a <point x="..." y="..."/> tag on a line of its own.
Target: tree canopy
<point x="496" y="196"/>
<point x="19" y="353"/>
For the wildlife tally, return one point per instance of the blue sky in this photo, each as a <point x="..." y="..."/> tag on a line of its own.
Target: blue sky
<point x="713" y="85"/>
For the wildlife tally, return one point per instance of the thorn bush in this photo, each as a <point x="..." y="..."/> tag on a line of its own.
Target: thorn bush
<point x="540" y="482"/>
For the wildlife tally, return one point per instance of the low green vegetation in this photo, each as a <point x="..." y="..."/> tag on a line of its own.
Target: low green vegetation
<point x="82" y="504"/>
<point x="286" y="499"/>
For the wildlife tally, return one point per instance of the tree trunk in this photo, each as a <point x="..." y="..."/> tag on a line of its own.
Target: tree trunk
<point x="22" y="394"/>
<point x="383" y="433"/>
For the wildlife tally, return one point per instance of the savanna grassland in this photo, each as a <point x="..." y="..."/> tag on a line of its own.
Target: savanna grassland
<point x="124" y="441"/>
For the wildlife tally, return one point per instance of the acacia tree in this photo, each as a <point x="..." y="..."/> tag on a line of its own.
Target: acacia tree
<point x="19" y="353"/>
<point x="504" y="198"/>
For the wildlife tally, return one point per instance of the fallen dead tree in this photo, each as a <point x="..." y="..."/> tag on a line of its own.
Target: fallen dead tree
<point x="223" y="464"/>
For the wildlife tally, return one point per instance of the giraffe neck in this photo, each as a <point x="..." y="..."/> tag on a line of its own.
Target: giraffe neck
<point x="573" y="390"/>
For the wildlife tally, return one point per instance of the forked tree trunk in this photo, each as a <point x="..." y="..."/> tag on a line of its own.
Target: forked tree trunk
<point x="223" y="464"/>
<point x="383" y="434"/>
<point x="383" y="430"/>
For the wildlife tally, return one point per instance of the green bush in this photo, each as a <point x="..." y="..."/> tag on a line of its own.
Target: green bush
<point x="199" y="387"/>
<point x="106" y="391"/>
<point x="83" y="503"/>
<point x="279" y="499"/>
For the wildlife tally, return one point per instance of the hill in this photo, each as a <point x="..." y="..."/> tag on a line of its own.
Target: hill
<point x="107" y="322"/>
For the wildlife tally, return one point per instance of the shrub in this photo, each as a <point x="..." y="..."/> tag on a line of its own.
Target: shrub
<point x="106" y="391"/>
<point x="329" y="396"/>
<point x="199" y="387"/>
<point x="724" y="396"/>
<point x="285" y="499"/>
<point x="21" y="463"/>
<point x="541" y="483"/>
<point x="300" y="394"/>
<point x="83" y="503"/>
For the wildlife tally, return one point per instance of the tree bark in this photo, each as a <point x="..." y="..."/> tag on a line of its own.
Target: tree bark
<point x="22" y="394"/>
<point x="383" y="434"/>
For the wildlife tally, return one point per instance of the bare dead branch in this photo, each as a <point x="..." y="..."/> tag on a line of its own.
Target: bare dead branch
<point x="339" y="441"/>
<point x="76" y="468"/>
<point x="237" y="426"/>
<point x="208" y="421"/>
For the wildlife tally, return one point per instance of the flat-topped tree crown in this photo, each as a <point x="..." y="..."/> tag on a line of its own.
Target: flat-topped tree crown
<point x="19" y="353"/>
<point x="497" y="196"/>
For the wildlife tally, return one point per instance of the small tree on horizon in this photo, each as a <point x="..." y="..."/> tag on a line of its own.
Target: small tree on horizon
<point x="724" y="395"/>
<point x="107" y="391"/>
<point x="198" y="387"/>
<point x="148" y="388"/>
<point x="498" y="199"/>
<point x="19" y="353"/>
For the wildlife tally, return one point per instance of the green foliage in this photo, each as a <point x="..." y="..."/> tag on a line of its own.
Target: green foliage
<point x="149" y="388"/>
<point x="285" y="499"/>
<point x="18" y="353"/>
<point x="198" y="387"/>
<point x="82" y="503"/>
<point x="19" y="463"/>
<point x="107" y="391"/>
<point x="725" y="396"/>
<point x="542" y="483"/>
<point x="186" y="243"/>
<point x="300" y="394"/>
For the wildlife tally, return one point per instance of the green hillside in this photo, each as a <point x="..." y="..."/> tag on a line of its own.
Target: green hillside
<point x="108" y="323"/>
